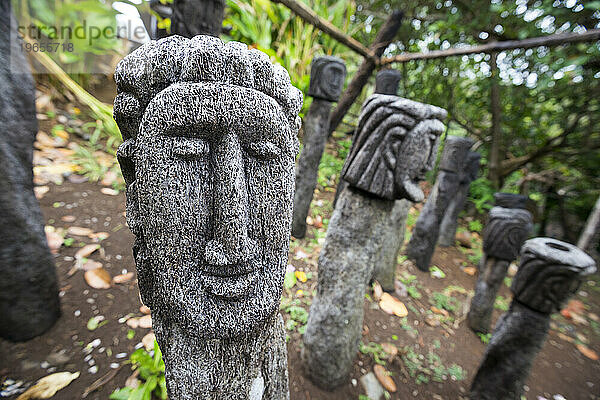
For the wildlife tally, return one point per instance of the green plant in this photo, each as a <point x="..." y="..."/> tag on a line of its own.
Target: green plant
<point x="501" y="303"/>
<point x="475" y="226"/>
<point x="443" y="301"/>
<point x="375" y="350"/>
<point x="152" y="372"/>
<point x="484" y="337"/>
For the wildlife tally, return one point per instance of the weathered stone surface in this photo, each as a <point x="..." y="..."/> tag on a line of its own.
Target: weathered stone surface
<point x="197" y="17"/>
<point x="387" y="80"/>
<point x="505" y="232"/>
<point x="362" y="224"/>
<point x="394" y="146"/>
<point x="327" y="75"/>
<point x="550" y="272"/>
<point x="511" y="200"/>
<point x="450" y="220"/>
<point x="208" y="159"/>
<point x="29" y="303"/>
<point x="425" y="233"/>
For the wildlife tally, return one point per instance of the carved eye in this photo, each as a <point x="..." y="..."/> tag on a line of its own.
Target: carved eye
<point x="189" y="148"/>
<point x="263" y="150"/>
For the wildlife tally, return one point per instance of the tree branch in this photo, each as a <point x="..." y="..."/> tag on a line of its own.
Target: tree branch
<point x="308" y="15"/>
<point x="548" y="40"/>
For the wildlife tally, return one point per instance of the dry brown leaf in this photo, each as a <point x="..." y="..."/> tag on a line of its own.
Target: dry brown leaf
<point x="586" y="351"/>
<point x="40" y="191"/>
<point x="390" y="349"/>
<point x="144" y="310"/>
<point x="439" y="311"/>
<point x="123" y="278"/>
<point x="47" y="386"/>
<point x="68" y="218"/>
<point x="391" y="305"/>
<point x="565" y="337"/>
<point x="79" y="231"/>
<point x="470" y="270"/>
<point x="377" y="291"/>
<point x="55" y="240"/>
<point x="99" y="235"/>
<point x="109" y="191"/>
<point x="86" y="251"/>
<point x="384" y="378"/>
<point x="98" y="278"/>
<point x="145" y="321"/>
<point x="148" y="341"/>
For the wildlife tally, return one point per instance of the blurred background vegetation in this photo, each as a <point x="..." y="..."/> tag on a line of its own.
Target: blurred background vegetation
<point x="549" y="146"/>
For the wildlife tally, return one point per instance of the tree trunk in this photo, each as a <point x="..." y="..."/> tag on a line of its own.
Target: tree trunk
<point x="591" y="229"/>
<point x="494" y="157"/>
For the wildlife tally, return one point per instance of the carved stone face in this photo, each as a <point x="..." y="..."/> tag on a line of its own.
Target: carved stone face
<point x="550" y="272"/>
<point x="394" y="146"/>
<point x="454" y="156"/>
<point x="505" y="232"/>
<point x="327" y="75"/>
<point x="210" y="197"/>
<point x="386" y="81"/>
<point x="471" y="168"/>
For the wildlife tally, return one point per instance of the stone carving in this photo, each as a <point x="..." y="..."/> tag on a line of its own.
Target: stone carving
<point x="450" y="220"/>
<point x="506" y="230"/>
<point x="197" y="17"/>
<point x="511" y="200"/>
<point x="326" y="82"/>
<point x="29" y="303"/>
<point x="425" y="233"/>
<point x="549" y="273"/>
<point x="389" y="129"/>
<point x="327" y="75"/>
<point x="208" y="159"/>
<point x="387" y="80"/>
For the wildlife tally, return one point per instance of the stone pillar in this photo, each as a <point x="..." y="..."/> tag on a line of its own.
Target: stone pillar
<point x="450" y="220"/>
<point x="394" y="146"/>
<point x="326" y="83"/>
<point x="425" y="233"/>
<point x="387" y="80"/>
<point x="29" y="303"/>
<point x="210" y="134"/>
<point x="504" y="233"/>
<point x="549" y="273"/>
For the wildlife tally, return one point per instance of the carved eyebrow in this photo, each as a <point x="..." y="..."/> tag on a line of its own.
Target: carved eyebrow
<point x="263" y="150"/>
<point x="189" y="147"/>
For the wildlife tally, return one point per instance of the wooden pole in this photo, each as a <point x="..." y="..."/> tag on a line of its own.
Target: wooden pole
<point x="549" y="40"/>
<point x="382" y="40"/>
<point x="304" y="12"/>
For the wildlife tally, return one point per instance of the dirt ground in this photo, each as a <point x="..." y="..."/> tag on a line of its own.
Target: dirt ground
<point x="558" y="370"/>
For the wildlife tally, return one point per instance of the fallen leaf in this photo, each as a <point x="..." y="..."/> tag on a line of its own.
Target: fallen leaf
<point x="391" y="305"/>
<point x="68" y="218"/>
<point x="86" y="251"/>
<point x="133" y="323"/>
<point x="318" y="222"/>
<point x="122" y="278"/>
<point x="144" y="310"/>
<point x="565" y="337"/>
<point x="390" y="349"/>
<point x="79" y="231"/>
<point x="586" y="351"/>
<point x="55" y="240"/>
<point x="48" y="386"/>
<point x="377" y="291"/>
<point x="40" y="191"/>
<point x="98" y="278"/>
<point x="301" y="276"/>
<point x="384" y="378"/>
<point x="576" y="306"/>
<point x="99" y="235"/>
<point x="90" y="265"/>
<point x="470" y="270"/>
<point x="148" y="341"/>
<point x="109" y="191"/>
<point x="439" y="311"/>
<point x="145" y="321"/>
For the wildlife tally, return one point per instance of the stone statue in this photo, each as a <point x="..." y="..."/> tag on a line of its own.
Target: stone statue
<point x="425" y="233"/>
<point x="549" y="273"/>
<point x="394" y="145"/>
<point x="29" y="303"/>
<point x="197" y="17"/>
<point x="450" y="220"/>
<point x="386" y="81"/>
<point x="326" y="84"/>
<point x="511" y="200"/>
<point x="208" y="159"/>
<point x="504" y="234"/>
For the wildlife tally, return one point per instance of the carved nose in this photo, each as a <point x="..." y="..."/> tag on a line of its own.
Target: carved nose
<point x="230" y="243"/>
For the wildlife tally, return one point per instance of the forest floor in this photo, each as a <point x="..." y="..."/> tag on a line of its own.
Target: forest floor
<point x="430" y="353"/>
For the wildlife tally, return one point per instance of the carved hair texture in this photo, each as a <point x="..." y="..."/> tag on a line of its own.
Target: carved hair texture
<point x="505" y="232"/>
<point x="395" y="144"/>
<point x="549" y="273"/>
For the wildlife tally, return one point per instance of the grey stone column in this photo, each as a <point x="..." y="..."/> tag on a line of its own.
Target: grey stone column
<point x="326" y="84"/>
<point x="450" y="220"/>
<point x="426" y="231"/>
<point x="29" y="303"/>
<point x="549" y="273"/>
<point x="504" y="233"/>
<point x="210" y="134"/>
<point x="394" y="146"/>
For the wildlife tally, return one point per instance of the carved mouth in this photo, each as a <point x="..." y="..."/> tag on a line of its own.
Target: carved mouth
<point x="229" y="285"/>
